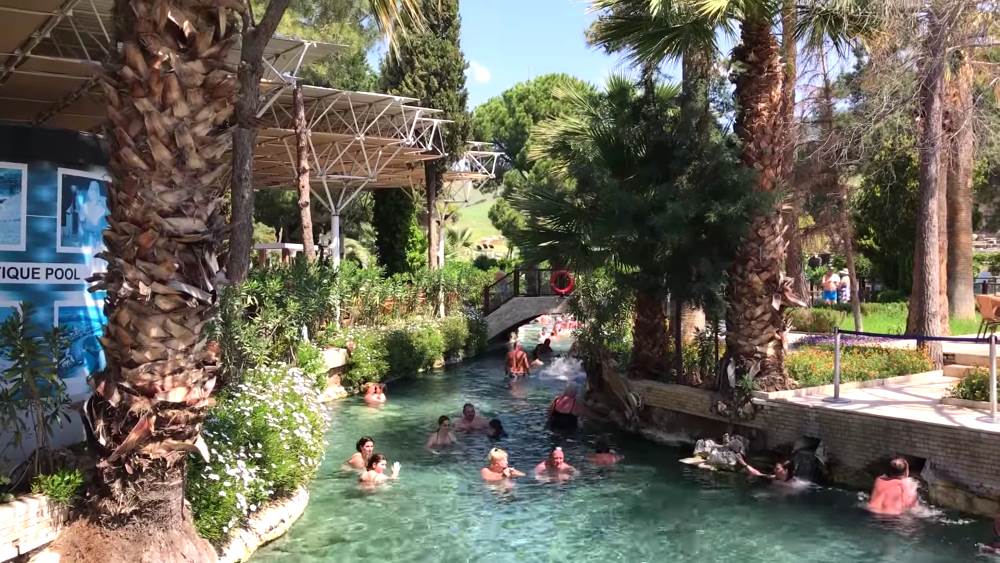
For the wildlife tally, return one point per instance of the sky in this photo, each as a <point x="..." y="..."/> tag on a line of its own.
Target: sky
<point x="509" y="41"/>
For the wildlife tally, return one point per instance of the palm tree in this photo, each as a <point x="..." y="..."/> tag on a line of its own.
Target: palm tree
<point x="458" y="241"/>
<point x="758" y="289"/>
<point x="637" y="198"/>
<point x="170" y="97"/>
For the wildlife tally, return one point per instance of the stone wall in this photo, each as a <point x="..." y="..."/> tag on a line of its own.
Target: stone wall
<point x="27" y="523"/>
<point x="962" y="467"/>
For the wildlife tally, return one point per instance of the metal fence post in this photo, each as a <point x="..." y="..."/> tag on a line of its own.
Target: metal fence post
<point x="836" y="398"/>
<point x="993" y="377"/>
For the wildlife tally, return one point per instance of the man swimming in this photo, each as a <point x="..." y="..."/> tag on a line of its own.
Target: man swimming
<point x="517" y="363"/>
<point x="470" y="421"/>
<point x="543" y="349"/>
<point x="555" y="466"/>
<point x="603" y="454"/>
<point x="895" y="492"/>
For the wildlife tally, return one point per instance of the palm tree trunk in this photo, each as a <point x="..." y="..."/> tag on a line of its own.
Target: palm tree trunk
<point x="961" y="301"/>
<point x="943" y="234"/>
<point x="696" y="75"/>
<point x="926" y="299"/>
<point x="302" y="152"/>
<point x="169" y="101"/>
<point x="757" y="291"/>
<point x="794" y="266"/>
<point x="649" y="337"/>
<point x="254" y="39"/>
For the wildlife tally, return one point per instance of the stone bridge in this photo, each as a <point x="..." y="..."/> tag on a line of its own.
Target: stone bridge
<point x="518" y="310"/>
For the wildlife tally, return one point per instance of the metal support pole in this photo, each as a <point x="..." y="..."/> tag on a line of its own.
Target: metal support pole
<point x="836" y="398"/>
<point x="335" y="238"/>
<point x="993" y="377"/>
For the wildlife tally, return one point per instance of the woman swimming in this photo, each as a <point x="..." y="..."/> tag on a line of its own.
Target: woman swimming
<point x="496" y="430"/>
<point x="498" y="468"/>
<point x="375" y="473"/>
<point x="563" y="412"/>
<point x="443" y="436"/>
<point x="365" y="447"/>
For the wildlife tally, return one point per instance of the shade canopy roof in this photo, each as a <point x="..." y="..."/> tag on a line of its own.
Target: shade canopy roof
<point x="51" y="53"/>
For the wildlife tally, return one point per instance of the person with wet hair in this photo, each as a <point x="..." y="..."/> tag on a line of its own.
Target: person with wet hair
<point x="365" y="447"/>
<point x="375" y="394"/>
<point x="498" y="468"/>
<point x="555" y="466"/>
<point x="443" y="436"/>
<point x="894" y="493"/>
<point x="375" y="471"/>
<point x="470" y="421"/>
<point x="603" y="454"/>
<point x="496" y="430"/>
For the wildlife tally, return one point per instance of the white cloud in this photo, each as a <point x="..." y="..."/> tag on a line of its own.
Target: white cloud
<point x="479" y="73"/>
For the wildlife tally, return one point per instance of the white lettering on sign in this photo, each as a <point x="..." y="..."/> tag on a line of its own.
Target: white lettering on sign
<point x="27" y="272"/>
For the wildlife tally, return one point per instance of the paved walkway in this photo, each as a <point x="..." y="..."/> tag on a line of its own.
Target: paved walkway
<point x="907" y="401"/>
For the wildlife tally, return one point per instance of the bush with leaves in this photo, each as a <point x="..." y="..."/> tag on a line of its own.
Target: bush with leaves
<point x="266" y="439"/>
<point x="62" y="486"/>
<point x="455" y="335"/>
<point x="975" y="386"/>
<point x="309" y="359"/>
<point x="814" y="319"/>
<point x="33" y="398"/>
<point x="604" y="309"/>
<point x="813" y="365"/>
<point x="413" y="348"/>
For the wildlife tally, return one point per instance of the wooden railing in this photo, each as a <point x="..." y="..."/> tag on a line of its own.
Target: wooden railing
<point x="533" y="282"/>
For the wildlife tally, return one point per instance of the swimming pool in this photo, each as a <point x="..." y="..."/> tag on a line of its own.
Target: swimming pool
<point x="650" y="508"/>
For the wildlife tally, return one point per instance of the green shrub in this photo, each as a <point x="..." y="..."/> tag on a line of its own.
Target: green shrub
<point x="814" y="320"/>
<point x="309" y="358"/>
<point x="62" y="487"/>
<point x="478" y="332"/>
<point x="975" y="386"/>
<point x="455" y="335"/>
<point x="369" y="360"/>
<point x="266" y="439"/>
<point x="891" y="296"/>
<point x="413" y="348"/>
<point x="813" y="365"/>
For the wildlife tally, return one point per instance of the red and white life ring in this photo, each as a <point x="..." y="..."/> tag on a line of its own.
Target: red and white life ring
<point x="561" y="282"/>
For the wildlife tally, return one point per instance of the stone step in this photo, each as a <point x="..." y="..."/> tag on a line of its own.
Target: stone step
<point x="957" y="370"/>
<point x="967" y="359"/>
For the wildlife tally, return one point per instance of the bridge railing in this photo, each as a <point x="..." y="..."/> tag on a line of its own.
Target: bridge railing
<point x="531" y="282"/>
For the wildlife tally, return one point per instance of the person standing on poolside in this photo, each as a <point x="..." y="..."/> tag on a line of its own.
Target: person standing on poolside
<point x="555" y="466"/>
<point x="443" y="436"/>
<point x="895" y="492"/>
<point x="498" y="468"/>
<point x="365" y="447"/>
<point x="517" y="363"/>
<point x="831" y="283"/>
<point x="470" y="421"/>
<point x="375" y="473"/>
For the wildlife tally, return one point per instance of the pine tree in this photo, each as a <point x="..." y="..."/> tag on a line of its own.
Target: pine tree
<point x="430" y="66"/>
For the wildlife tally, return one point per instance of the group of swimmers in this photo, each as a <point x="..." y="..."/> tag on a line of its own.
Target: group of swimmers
<point x="373" y="466"/>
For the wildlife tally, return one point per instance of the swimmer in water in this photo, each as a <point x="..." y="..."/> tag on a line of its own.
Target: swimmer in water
<point x="895" y="492"/>
<point x="555" y="467"/>
<point x="375" y="473"/>
<point x="994" y="547"/>
<point x="496" y="430"/>
<point x="543" y="349"/>
<point x="443" y="436"/>
<point x="498" y="468"/>
<point x="781" y="474"/>
<point x="470" y="421"/>
<point x="603" y="454"/>
<point x="365" y="447"/>
<point x="375" y="394"/>
<point x="517" y="363"/>
<point x="563" y="412"/>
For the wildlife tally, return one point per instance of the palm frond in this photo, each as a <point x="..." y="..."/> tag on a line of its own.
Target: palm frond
<point x="842" y="23"/>
<point x="397" y="18"/>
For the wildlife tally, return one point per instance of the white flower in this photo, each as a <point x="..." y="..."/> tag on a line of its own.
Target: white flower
<point x="213" y="476"/>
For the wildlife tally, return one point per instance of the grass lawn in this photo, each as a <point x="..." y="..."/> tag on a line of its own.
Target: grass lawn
<point x="894" y="322"/>
<point x="476" y="218"/>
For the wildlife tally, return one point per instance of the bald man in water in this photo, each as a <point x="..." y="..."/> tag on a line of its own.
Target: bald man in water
<point x="894" y="493"/>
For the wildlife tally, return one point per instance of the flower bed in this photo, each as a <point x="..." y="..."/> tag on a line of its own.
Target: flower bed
<point x="975" y="386"/>
<point x="266" y="439"/>
<point x="813" y="365"/>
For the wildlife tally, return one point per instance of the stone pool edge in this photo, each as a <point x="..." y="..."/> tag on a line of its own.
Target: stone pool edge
<point x="264" y="527"/>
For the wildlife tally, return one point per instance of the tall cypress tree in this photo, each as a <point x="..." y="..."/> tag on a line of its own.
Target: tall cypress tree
<point x="429" y="65"/>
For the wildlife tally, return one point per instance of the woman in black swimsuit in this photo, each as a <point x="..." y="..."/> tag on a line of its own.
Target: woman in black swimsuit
<point x="563" y="410"/>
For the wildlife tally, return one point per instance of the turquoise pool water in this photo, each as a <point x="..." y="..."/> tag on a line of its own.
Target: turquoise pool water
<point x="650" y="508"/>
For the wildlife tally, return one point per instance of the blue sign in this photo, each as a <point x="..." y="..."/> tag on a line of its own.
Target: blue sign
<point x="51" y="219"/>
